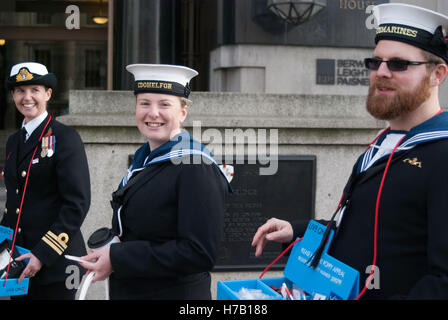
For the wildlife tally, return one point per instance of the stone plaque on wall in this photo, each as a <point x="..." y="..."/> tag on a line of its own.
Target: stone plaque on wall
<point x="288" y="194"/>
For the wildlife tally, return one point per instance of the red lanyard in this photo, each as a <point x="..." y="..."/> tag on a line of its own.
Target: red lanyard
<point x="377" y="206"/>
<point x="23" y="198"/>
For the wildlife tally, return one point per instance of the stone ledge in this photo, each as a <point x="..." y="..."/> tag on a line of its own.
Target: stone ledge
<point x="129" y="134"/>
<point x="108" y="117"/>
<point x="126" y="120"/>
<point x="230" y="104"/>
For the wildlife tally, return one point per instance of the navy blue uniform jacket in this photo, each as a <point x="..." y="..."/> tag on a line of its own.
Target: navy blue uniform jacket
<point x="172" y="227"/>
<point x="56" y="201"/>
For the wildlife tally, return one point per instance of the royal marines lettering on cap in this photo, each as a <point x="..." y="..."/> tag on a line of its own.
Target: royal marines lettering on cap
<point x="397" y="30"/>
<point x="162" y="78"/>
<point x="413" y="25"/>
<point x="29" y="73"/>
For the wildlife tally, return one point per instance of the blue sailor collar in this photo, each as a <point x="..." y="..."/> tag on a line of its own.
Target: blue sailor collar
<point x="180" y="146"/>
<point x="435" y="128"/>
<point x="432" y="129"/>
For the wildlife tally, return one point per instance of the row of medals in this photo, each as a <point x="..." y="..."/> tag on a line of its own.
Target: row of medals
<point x="46" y="151"/>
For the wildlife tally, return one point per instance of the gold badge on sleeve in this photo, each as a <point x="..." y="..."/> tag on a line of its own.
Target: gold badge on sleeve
<point x="57" y="243"/>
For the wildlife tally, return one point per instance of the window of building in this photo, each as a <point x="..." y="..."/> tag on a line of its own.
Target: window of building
<point x="36" y="31"/>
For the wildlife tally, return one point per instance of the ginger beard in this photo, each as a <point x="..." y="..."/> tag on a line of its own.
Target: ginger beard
<point x="389" y="107"/>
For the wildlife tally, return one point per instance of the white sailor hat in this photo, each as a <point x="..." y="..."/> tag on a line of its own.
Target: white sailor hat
<point x="162" y="78"/>
<point x="28" y="73"/>
<point x="413" y="25"/>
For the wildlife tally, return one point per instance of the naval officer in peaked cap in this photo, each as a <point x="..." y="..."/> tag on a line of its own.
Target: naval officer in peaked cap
<point x="393" y="213"/>
<point x="48" y="185"/>
<point x="168" y="210"/>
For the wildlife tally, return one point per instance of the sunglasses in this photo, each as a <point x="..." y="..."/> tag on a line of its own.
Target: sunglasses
<point x="393" y="65"/>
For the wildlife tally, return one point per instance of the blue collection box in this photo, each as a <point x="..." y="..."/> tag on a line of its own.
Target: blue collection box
<point x="11" y="287"/>
<point x="227" y="290"/>
<point x="331" y="279"/>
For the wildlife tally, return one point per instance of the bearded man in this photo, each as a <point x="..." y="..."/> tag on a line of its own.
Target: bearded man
<point x="394" y="209"/>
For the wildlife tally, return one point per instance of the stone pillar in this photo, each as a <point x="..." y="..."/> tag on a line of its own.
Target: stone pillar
<point x="137" y="21"/>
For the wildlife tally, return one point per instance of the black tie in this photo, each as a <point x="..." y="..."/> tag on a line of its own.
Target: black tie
<point x="23" y="133"/>
<point x="21" y="145"/>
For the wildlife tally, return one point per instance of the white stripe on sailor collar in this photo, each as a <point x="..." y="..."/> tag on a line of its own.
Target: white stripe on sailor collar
<point x="406" y="145"/>
<point x="164" y="158"/>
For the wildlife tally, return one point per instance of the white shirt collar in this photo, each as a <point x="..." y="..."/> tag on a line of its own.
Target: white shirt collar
<point x="33" y="124"/>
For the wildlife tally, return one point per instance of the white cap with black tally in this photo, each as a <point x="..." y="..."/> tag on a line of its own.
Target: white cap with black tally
<point x="420" y="27"/>
<point x="162" y="78"/>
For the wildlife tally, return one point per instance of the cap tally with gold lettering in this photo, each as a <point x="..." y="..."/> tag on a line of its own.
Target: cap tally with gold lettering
<point x="162" y="78"/>
<point x="420" y="27"/>
<point x="29" y="73"/>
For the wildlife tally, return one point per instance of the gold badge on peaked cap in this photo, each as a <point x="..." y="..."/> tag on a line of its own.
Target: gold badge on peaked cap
<point x="23" y="75"/>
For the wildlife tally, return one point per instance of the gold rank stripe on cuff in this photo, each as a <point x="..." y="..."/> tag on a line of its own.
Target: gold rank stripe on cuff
<point x="53" y="245"/>
<point x="57" y="243"/>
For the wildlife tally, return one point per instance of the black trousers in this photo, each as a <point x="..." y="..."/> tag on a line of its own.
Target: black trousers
<point x="53" y="291"/>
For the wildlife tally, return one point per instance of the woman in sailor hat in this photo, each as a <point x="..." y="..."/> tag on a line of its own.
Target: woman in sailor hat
<point x="48" y="185"/>
<point x="169" y="207"/>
